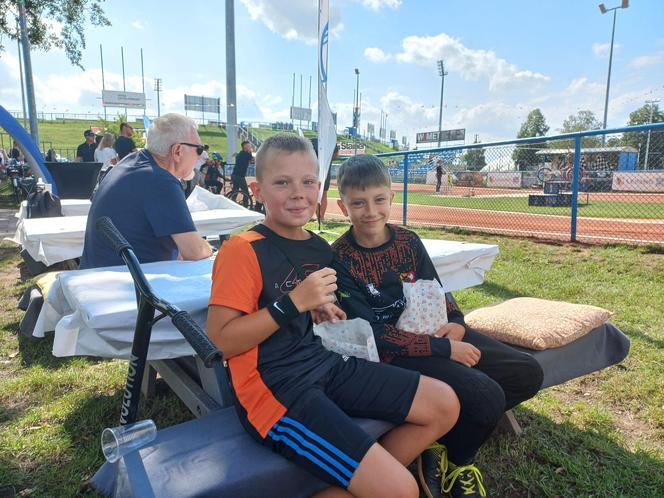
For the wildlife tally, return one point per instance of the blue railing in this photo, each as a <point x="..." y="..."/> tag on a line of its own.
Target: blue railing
<point x="575" y="137"/>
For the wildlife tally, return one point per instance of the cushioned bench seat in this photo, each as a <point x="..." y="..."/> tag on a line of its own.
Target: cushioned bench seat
<point x="213" y="456"/>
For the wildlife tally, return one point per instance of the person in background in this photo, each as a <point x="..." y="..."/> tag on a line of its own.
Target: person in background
<point x="143" y="197"/>
<point x="85" y="153"/>
<point x="105" y="153"/>
<point x="15" y="152"/>
<point x="125" y="145"/>
<point x="439" y="174"/>
<point x="242" y="161"/>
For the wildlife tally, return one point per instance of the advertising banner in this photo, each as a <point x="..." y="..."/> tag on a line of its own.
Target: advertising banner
<point x="131" y="100"/>
<point x="641" y="181"/>
<point x="510" y="179"/>
<point x="347" y="149"/>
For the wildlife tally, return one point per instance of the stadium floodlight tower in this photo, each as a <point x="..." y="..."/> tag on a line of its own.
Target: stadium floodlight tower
<point x="604" y="10"/>
<point x="356" y="110"/>
<point x="442" y="73"/>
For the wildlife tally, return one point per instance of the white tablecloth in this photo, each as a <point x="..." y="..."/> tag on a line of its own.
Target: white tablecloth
<point x="93" y="312"/>
<point x="51" y="240"/>
<point x="70" y="207"/>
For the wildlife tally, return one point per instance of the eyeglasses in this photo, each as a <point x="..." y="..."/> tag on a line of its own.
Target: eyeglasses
<point x="199" y="148"/>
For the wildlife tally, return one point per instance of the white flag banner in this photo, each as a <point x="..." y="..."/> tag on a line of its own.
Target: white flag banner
<point x="327" y="132"/>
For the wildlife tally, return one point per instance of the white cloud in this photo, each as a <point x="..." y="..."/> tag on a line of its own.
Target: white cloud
<point x="472" y="64"/>
<point x="582" y="86"/>
<point x="138" y="25"/>
<point x="647" y="60"/>
<point x="376" y="55"/>
<point x="278" y="16"/>
<point x="601" y="50"/>
<point x="378" y="4"/>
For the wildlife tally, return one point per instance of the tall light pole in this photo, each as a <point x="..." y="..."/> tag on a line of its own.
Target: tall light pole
<point x="356" y="107"/>
<point x="652" y="104"/>
<point x="442" y="73"/>
<point x="231" y="91"/>
<point x="604" y="10"/>
<point x="158" y="88"/>
<point x="27" y="67"/>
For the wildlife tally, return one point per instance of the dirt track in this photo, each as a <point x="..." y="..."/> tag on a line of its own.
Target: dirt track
<point x="593" y="230"/>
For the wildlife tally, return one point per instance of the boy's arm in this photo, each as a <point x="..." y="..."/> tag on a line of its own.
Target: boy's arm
<point x="391" y="341"/>
<point x="427" y="271"/>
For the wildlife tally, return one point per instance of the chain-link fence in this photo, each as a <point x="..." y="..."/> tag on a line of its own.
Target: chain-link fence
<point x="598" y="186"/>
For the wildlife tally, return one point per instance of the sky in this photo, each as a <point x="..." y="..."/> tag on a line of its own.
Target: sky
<point x="503" y="60"/>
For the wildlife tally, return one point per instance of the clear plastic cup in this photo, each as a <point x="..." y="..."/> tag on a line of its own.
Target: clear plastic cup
<point x="116" y="442"/>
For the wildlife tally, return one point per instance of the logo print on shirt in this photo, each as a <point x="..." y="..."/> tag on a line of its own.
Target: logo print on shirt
<point x="291" y="280"/>
<point x="372" y="289"/>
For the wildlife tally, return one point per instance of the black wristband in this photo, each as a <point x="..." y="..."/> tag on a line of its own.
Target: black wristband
<point x="283" y="310"/>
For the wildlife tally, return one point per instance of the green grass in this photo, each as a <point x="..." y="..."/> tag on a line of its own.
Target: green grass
<point x="601" y="435"/>
<point x="595" y="209"/>
<point x="68" y="134"/>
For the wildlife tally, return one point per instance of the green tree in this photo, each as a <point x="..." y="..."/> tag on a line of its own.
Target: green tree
<point x="581" y="121"/>
<point x="534" y="126"/>
<point x="648" y="113"/>
<point x="474" y="158"/>
<point x="67" y="32"/>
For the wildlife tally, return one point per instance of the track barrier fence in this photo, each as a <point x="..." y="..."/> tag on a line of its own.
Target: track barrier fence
<point x="600" y="186"/>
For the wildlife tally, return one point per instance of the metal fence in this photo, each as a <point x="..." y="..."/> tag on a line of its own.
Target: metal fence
<point x="598" y="186"/>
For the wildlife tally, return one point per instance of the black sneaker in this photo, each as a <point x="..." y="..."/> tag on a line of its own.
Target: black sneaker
<point x="431" y="468"/>
<point x="464" y="481"/>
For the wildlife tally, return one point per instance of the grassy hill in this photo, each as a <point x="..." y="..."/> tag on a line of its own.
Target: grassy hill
<point x="66" y="134"/>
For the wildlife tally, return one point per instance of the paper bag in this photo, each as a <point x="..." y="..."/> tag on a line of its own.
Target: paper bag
<point x="426" y="310"/>
<point x="349" y="338"/>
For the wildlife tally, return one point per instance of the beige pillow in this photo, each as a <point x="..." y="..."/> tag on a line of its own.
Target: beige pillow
<point x="537" y="323"/>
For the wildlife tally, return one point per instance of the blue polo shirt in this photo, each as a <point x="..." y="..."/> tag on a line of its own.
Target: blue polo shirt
<point x="146" y="204"/>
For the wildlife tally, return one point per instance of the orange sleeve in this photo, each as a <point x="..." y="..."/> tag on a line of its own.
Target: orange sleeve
<point x="236" y="276"/>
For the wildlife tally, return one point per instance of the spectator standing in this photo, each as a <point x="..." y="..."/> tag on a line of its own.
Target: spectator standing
<point x="15" y="152"/>
<point x="439" y="175"/>
<point x="143" y="197"/>
<point x="105" y="153"/>
<point x="125" y="145"/>
<point x="86" y="151"/>
<point x="242" y="161"/>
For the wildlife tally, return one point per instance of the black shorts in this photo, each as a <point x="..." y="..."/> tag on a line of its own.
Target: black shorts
<point x="317" y="432"/>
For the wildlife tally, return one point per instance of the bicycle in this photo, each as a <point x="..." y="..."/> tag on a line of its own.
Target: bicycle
<point x="22" y="181"/>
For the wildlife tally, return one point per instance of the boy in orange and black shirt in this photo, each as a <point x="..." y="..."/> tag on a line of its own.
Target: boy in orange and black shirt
<point x="293" y="395"/>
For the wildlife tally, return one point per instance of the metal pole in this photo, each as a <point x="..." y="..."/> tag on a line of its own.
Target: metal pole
<point x="441" y="71"/>
<point x="103" y="84"/>
<point x="157" y="88"/>
<point x="27" y="64"/>
<point x="405" y="189"/>
<point x="652" y="110"/>
<point x="300" y="99"/>
<point x="575" y="186"/>
<point x="608" y="78"/>
<point x="356" y="113"/>
<point x="293" y="101"/>
<point x="231" y="97"/>
<point x="20" y="70"/>
<point x="143" y="81"/>
<point x="309" y="100"/>
<point x="124" y="87"/>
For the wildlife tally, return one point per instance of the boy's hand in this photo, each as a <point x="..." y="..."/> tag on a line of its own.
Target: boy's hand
<point x="315" y="290"/>
<point x="464" y="353"/>
<point x="327" y="313"/>
<point x="451" y="331"/>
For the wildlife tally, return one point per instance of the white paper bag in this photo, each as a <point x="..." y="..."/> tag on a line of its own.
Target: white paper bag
<point x="426" y="310"/>
<point x="349" y="338"/>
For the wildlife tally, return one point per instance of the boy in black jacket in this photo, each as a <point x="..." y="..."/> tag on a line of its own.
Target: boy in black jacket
<point x="372" y="261"/>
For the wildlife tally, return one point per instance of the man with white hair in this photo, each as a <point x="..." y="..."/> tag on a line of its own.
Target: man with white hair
<point x="144" y="198"/>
